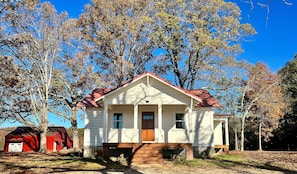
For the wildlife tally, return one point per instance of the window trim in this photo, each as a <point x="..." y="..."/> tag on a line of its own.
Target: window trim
<point x="180" y="121"/>
<point x="118" y="121"/>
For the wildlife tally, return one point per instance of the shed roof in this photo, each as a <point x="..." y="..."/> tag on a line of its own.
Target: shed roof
<point x="30" y="131"/>
<point x="22" y="131"/>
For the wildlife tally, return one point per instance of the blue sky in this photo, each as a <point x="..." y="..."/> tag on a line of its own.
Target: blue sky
<point x="274" y="44"/>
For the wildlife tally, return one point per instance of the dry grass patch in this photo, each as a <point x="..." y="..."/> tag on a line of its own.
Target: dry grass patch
<point x="234" y="162"/>
<point x="44" y="163"/>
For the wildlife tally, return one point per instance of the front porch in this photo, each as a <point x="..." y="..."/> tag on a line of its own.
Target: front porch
<point x="147" y="153"/>
<point x="145" y="123"/>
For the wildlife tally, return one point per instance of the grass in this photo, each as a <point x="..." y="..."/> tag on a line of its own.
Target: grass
<point x="237" y="161"/>
<point x="228" y="161"/>
<point x="224" y="161"/>
<point x="47" y="163"/>
<point x="64" y="163"/>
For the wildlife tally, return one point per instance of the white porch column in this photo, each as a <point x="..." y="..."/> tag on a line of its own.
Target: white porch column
<point x="226" y="132"/>
<point x="160" y="135"/>
<point x="135" y="116"/>
<point x="190" y="109"/>
<point x="105" y="123"/>
<point x="160" y="116"/>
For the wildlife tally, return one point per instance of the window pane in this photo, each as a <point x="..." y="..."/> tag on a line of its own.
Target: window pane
<point x="148" y="117"/>
<point x="120" y="125"/>
<point x="180" y="121"/>
<point x="118" y="120"/>
<point x="179" y="116"/>
<point x="179" y="125"/>
<point x="118" y="116"/>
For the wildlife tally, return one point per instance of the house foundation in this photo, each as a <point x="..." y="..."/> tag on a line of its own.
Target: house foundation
<point x="140" y="153"/>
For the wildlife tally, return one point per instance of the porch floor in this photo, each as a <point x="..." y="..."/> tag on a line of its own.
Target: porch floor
<point x="225" y="148"/>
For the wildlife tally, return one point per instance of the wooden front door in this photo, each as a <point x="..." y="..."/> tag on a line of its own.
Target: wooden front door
<point x="148" y="126"/>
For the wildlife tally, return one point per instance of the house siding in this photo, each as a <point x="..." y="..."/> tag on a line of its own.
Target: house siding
<point x="202" y="127"/>
<point x="142" y="93"/>
<point x="173" y="135"/>
<point x="202" y="132"/>
<point x="127" y="133"/>
<point x="93" y="132"/>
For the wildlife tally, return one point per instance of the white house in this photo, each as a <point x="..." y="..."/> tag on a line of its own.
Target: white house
<point x="150" y="113"/>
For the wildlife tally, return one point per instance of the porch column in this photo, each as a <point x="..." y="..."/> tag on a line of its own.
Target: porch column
<point x="190" y="109"/>
<point x="105" y="123"/>
<point x="226" y="132"/>
<point x="135" y="116"/>
<point x="160" y="116"/>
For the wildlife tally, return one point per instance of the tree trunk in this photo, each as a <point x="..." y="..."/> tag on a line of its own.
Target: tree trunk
<point x="242" y="133"/>
<point x="43" y="137"/>
<point x="43" y="126"/>
<point x="75" y="137"/>
<point x="260" y="136"/>
<point x="42" y="142"/>
<point x="236" y="140"/>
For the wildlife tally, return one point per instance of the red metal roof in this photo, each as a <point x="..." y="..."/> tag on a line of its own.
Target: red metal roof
<point x="90" y="99"/>
<point x="202" y="95"/>
<point x="207" y="100"/>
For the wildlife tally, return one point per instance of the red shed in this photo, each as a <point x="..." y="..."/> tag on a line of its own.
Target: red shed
<point x="57" y="139"/>
<point x="22" y="139"/>
<point x="26" y="139"/>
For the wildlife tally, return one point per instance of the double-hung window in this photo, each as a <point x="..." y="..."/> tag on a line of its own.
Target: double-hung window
<point x="118" y="121"/>
<point x="180" y="121"/>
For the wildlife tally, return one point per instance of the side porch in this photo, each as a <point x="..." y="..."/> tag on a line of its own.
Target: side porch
<point x="221" y="132"/>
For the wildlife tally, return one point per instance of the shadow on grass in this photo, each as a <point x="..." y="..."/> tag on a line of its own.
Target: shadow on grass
<point x="231" y="165"/>
<point x="111" y="166"/>
<point x="53" y="163"/>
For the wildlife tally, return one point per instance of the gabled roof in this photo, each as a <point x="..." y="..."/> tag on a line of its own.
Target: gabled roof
<point x="204" y="98"/>
<point x="21" y="131"/>
<point x="91" y="98"/>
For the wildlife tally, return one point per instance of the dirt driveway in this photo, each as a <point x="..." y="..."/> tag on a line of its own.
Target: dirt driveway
<point x="248" y="162"/>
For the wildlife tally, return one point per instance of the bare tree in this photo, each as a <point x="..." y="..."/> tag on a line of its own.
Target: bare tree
<point x="265" y="5"/>
<point x="14" y="102"/>
<point x="74" y="77"/>
<point x="195" y="36"/>
<point x="119" y="33"/>
<point x="35" y="35"/>
<point x="260" y="84"/>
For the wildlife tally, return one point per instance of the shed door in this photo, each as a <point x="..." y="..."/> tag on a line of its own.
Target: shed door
<point x="148" y="126"/>
<point x="15" y="147"/>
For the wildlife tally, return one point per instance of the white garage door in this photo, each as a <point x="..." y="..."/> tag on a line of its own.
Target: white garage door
<point x="15" y="147"/>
